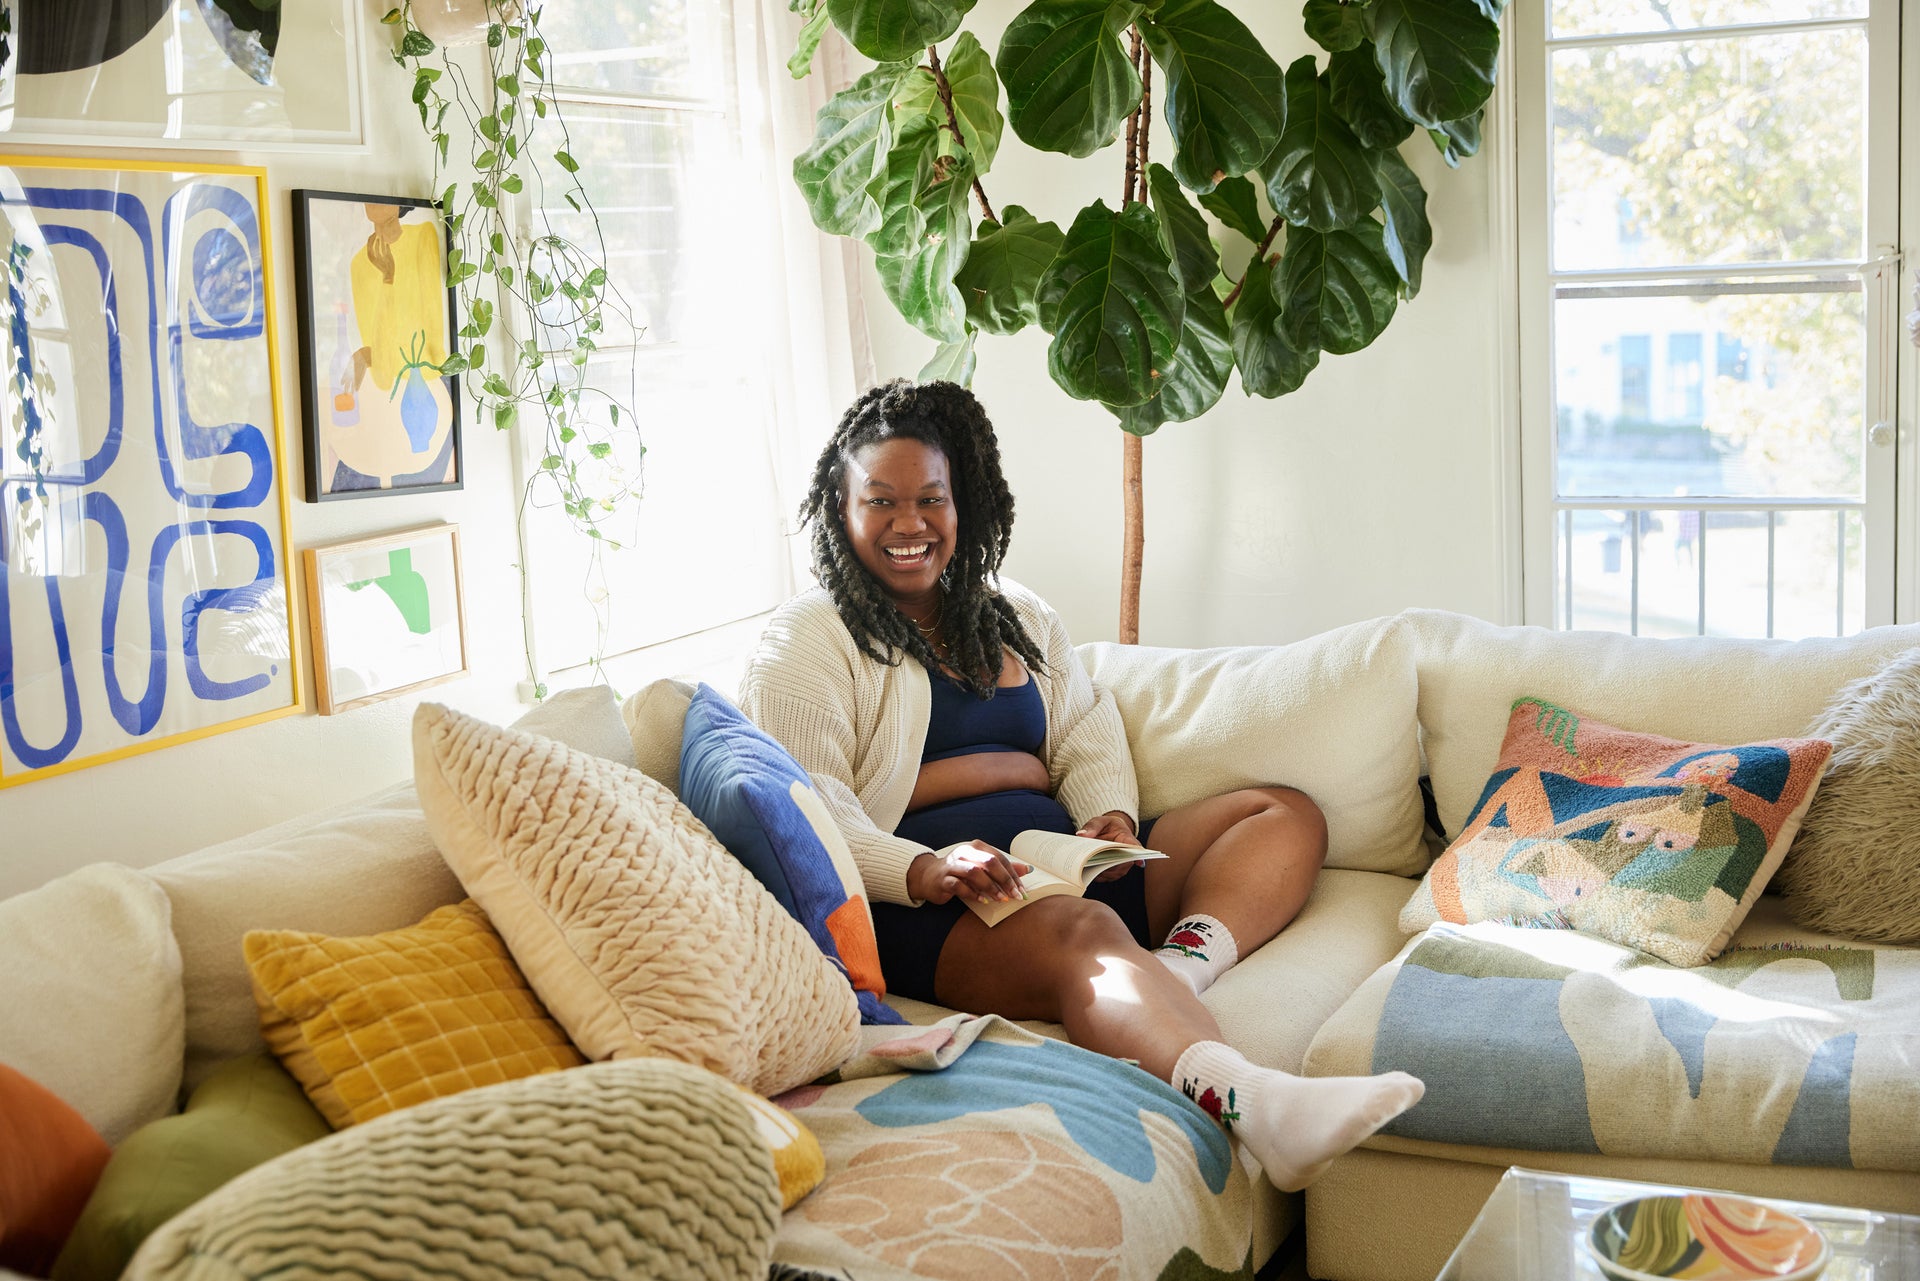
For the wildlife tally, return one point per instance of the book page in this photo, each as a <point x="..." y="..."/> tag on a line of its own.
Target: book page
<point x="1073" y="858"/>
<point x="1039" y="884"/>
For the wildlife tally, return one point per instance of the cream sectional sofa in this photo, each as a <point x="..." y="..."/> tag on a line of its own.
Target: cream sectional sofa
<point x="126" y="987"/>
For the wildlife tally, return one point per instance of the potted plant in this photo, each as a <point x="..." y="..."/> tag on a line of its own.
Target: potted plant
<point x="1141" y="317"/>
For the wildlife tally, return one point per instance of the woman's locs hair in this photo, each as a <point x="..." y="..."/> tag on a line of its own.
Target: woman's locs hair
<point x="977" y="619"/>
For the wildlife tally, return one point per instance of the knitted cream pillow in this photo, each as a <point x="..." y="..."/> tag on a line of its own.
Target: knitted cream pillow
<point x="1851" y="869"/>
<point x="642" y="935"/>
<point x="639" y="1169"/>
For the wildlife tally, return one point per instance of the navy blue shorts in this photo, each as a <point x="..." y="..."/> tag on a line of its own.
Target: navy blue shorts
<point x="911" y="938"/>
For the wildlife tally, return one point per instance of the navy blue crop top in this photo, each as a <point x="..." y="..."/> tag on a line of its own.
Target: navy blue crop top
<point x="958" y="724"/>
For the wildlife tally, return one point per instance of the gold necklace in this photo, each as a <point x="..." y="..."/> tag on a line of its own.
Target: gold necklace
<point x="939" y="615"/>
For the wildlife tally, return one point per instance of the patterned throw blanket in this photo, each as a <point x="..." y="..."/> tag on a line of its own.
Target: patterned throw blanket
<point x="999" y="1153"/>
<point x="1560" y="1041"/>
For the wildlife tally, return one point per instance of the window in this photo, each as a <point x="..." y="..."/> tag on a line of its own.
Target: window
<point x="653" y="111"/>
<point x="1715" y="172"/>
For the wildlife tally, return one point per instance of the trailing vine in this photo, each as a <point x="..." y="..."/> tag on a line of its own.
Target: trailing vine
<point x="503" y="125"/>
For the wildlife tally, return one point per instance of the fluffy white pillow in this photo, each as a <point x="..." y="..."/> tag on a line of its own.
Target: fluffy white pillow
<point x="93" y="1009"/>
<point x="656" y="717"/>
<point x="1332" y="715"/>
<point x="640" y="933"/>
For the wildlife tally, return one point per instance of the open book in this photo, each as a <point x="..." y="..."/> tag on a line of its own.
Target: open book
<point x="1061" y="864"/>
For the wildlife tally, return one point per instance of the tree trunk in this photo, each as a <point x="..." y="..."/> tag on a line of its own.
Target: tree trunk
<point x="1133" y="542"/>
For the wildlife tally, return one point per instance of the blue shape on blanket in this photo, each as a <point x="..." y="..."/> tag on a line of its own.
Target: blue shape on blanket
<point x="1098" y="1100"/>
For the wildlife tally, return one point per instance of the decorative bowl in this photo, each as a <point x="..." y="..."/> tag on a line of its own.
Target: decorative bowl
<point x="1705" y="1238"/>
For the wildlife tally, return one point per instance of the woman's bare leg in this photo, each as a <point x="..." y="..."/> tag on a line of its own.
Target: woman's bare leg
<point x="1247" y="858"/>
<point x="1073" y="961"/>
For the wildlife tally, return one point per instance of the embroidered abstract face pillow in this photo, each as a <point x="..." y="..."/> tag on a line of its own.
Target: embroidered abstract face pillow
<point x="1647" y="841"/>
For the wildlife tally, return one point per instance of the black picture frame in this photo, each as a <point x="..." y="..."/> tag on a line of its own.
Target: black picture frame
<point x="343" y="425"/>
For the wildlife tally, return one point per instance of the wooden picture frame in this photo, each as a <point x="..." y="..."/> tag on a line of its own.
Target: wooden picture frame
<point x="145" y="576"/>
<point x="387" y="616"/>
<point x="380" y="418"/>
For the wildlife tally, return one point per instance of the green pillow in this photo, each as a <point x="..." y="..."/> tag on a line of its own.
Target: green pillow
<point x="246" y="1113"/>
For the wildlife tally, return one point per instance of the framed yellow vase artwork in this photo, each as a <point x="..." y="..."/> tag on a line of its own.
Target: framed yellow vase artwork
<point x="376" y="326"/>
<point x="387" y="614"/>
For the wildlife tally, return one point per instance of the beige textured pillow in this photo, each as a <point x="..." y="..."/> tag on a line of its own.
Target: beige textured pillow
<point x="642" y="935"/>
<point x="1851" y="871"/>
<point x="614" y="1170"/>
<point x="656" y="718"/>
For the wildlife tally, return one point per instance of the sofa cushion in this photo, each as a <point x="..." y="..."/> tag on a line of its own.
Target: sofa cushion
<point x="639" y="931"/>
<point x="1658" y="844"/>
<point x="355" y="869"/>
<point x="92" y="1007"/>
<point x="371" y="1025"/>
<point x="1332" y="715"/>
<point x="244" y="1114"/>
<point x="1706" y="689"/>
<point x="655" y="717"/>
<point x="635" y="1169"/>
<point x="1789" y="1048"/>
<point x="50" y="1159"/>
<point x="761" y="805"/>
<point x="1851" y="870"/>
<point x="586" y="719"/>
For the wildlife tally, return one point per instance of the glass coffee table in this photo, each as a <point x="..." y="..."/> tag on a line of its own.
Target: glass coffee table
<point x="1531" y="1229"/>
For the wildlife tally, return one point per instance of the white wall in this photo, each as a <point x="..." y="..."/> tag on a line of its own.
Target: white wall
<point x="1370" y="489"/>
<point x="153" y="806"/>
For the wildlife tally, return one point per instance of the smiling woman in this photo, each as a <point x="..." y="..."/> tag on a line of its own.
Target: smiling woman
<point x="941" y="710"/>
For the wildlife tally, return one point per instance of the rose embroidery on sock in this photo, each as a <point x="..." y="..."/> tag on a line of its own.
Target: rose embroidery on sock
<point x="1187" y="939"/>
<point x="1226" y="1114"/>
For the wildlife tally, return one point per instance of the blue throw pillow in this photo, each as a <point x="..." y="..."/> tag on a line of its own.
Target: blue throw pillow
<point x="761" y="805"/>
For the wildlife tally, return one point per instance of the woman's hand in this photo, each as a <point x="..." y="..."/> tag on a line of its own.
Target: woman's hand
<point x="977" y="774"/>
<point x="975" y="870"/>
<point x="1118" y="828"/>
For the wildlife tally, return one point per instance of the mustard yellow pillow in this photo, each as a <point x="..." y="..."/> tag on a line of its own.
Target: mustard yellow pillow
<point x="374" y="1024"/>
<point x="798" y="1162"/>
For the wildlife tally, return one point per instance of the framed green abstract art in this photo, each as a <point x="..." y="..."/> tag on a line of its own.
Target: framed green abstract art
<point x="376" y="323"/>
<point x="387" y="615"/>
<point x="143" y="514"/>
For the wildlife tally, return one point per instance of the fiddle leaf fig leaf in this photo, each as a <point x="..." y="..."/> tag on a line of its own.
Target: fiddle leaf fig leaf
<point x="1070" y="84"/>
<point x="1319" y="176"/>
<point x="1438" y="56"/>
<point x="1197" y="376"/>
<point x="920" y="281"/>
<point x="1339" y="288"/>
<point x="1336" y="25"/>
<point x="897" y="188"/>
<point x="1222" y="98"/>
<point x="1113" y="305"/>
<point x="1183" y="233"/>
<point x="952" y="362"/>
<point x="976" y="99"/>
<point x="1001" y="279"/>
<point x="1237" y="205"/>
<point x="801" y="63"/>
<point x="1458" y="139"/>
<point x="1360" y="99"/>
<point x="1409" y="234"/>
<point x="895" y="30"/>
<point x="1269" y="364"/>
<point x="851" y="138"/>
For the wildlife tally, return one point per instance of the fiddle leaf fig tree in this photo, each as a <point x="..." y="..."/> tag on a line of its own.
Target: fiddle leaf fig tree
<point x="1141" y="316"/>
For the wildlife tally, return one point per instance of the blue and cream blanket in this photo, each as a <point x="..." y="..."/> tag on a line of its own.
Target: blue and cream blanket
<point x="1560" y="1041"/>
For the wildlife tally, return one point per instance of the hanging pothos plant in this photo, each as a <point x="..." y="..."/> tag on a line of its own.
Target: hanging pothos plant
<point x="502" y="121"/>
<point x="1142" y="318"/>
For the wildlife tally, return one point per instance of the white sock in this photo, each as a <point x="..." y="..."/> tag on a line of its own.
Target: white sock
<point x="1294" y="1125"/>
<point x="1199" y="949"/>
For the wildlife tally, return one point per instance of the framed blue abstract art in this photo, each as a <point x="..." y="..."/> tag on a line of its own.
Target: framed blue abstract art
<point x="144" y="577"/>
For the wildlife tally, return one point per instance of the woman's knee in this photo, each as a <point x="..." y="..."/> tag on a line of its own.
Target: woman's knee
<point x="1303" y="819"/>
<point x="1079" y="929"/>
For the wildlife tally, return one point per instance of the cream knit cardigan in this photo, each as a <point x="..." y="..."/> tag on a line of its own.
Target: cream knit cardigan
<point x="859" y="726"/>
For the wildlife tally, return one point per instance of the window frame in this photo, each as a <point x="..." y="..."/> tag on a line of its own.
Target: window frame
<point x="1892" y="487"/>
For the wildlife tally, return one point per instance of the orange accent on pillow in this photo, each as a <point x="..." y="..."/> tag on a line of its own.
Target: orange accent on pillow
<point x="852" y="932"/>
<point x="50" y="1158"/>
<point x="1444" y="880"/>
